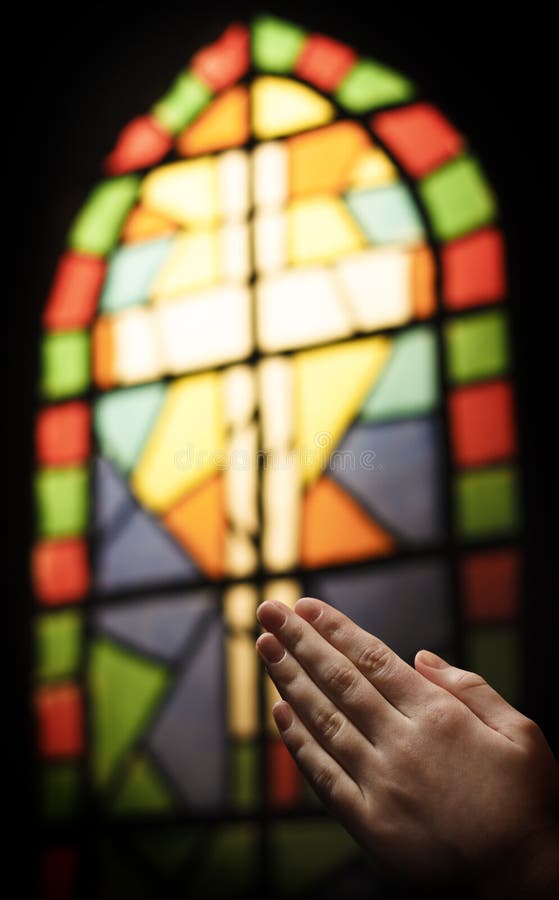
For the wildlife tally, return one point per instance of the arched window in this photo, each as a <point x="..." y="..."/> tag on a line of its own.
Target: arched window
<point x="275" y="362"/>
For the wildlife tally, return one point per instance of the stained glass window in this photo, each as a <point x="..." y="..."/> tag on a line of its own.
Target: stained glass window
<point x="275" y="361"/>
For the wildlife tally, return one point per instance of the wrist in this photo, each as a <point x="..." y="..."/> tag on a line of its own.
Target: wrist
<point x="529" y="871"/>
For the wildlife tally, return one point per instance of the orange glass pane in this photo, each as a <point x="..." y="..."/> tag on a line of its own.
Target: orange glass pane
<point x="423" y="283"/>
<point x="142" y="225"/>
<point x="491" y="585"/>
<point x="73" y="296"/>
<point x="59" y="720"/>
<point x="198" y="522"/>
<point x="62" y="434"/>
<point x="59" y="869"/>
<point x="324" y="62"/>
<point x="223" y="124"/>
<point x="103" y="353"/>
<point x="321" y="161"/>
<point x="336" y="529"/>
<point x="482" y="423"/>
<point x="143" y="142"/>
<point x="419" y="136"/>
<point x="60" y="571"/>
<point x="474" y="269"/>
<point x="284" y="782"/>
<point x="222" y="63"/>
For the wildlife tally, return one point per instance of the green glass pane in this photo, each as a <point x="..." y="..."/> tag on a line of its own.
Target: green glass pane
<point x="307" y="851"/>
<point x="495" y="653"/>
<point x="123" y="420"/>
<point x="62" y="501"/>
<point x="131" y="272"/>
<point x="244" y="776"/>
<point x="369" y="85"/>
<point x="276" y="44"/>
<point x="229" y="865"/>
<point x="408" y="385"/>
<point x="487" y="502"/>
<point x="477" y="346"/>
<point x="186" y="97"/>
<point x="386" y="215"/>
<point x="59" y="787"/>
<point x="58" y="644"/>
<point x="457" y="198"/>
<point x="97" y="226"/>
<point x="65" y="364"/>
<point x="124" y="690"/>
<point x="142" y="790"/>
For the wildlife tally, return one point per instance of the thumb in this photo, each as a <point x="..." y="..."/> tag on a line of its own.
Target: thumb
<point x="471" y="689"/>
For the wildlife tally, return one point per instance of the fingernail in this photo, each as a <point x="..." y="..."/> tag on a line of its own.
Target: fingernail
<point x="310" y="609"/>
<point x="270" y="648"/>
<point x="432" y="660"/>
<point x="282" y="715"/>
<point x="270" y="615"/>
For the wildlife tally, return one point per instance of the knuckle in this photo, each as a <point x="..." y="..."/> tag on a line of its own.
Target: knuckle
<point x="528" y="729"/>
<point x="375" y="659"/>
<point x="340" y="678"/>
<point x="442" y="714"/>
<point x="328" y="723"/>
<point x="296" y="634"/>
<point x="324" y="781"/>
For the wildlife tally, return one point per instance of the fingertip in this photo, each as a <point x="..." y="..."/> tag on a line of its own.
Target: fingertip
<point x="309" y="608"/>
<point x="429" y="660"/>
<point x="282" y="714"/>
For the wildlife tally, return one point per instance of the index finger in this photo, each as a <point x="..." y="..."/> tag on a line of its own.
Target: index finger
<point x="398" y="682"/>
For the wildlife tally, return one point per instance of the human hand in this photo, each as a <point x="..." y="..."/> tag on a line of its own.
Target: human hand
<point x="430" y="769"/>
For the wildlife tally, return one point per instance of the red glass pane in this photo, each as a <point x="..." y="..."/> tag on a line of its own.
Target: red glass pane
<point x="59" y="720"/>
<point x="225" y="61"/>
<point x="60" y="571"/>
<point x="482" y="423"/>
<point x="324" y="62"/>
<point x="141" y="143"/>
<point x="419" y="136"/>
<point x="73" y="297"/>
<point x="59" y="873"/>
<point x="491" y="585"/>
<point x="62" y="434"/>
<point x="474" y="269"/>
<point x="284" y="785"/>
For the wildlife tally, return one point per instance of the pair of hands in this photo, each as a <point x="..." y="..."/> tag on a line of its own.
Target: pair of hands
<point x="430" y="769"/>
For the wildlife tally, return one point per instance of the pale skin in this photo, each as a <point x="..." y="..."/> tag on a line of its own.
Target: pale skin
<point x="429" y="768"/>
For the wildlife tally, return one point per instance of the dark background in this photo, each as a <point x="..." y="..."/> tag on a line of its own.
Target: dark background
<point x="84" y="72"/>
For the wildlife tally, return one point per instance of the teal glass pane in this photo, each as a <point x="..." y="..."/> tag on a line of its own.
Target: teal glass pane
<point x="181" y="104"/>
<point x="386" y="215"/>
<point x="65" y="364"/>
<point x="477" y="346"/>
<point x="369" y="85"/>
<point x="457" y="198"/>
<point x="123" y="420"/>
<point x="58" y="644"/>
<point x="97" y="226"/>
<point x="276" y="44"/>
<point x="131" y="272"/>
<point x="487" y="502"/>
<point x="62" y="501"/>
<point x="408" y="385"/>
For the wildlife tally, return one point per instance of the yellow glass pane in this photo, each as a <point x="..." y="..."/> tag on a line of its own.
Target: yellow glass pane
<point x="378" y="287"/>
<point x="185" y="445"/>
<point x="320" y="162"/>
<point x="137" y="354"/>
<point x="331" y="384"/>
<point x="238" y="395"/>
<point x="373" y="168"/>
<point x="192" y="264"/>
<point x="185" y="191"/>
<point x="225" y="123"/>
<point x="281" y="503"/>
<point x="270" y="241"/>
<point x="143" y="225"/>
<point x="240" y="554"/>
<point x="270" y="168"/>
<point x="281" y="106"/>
<point x="241" y="485"/>
<point x="319" y="230"/>
<point x="242" y="686"/>
<point x="276" y="380"/>
<point x="284" y="590"/>
<point x="233" y="183"/>
<point x="239" y="606"/>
